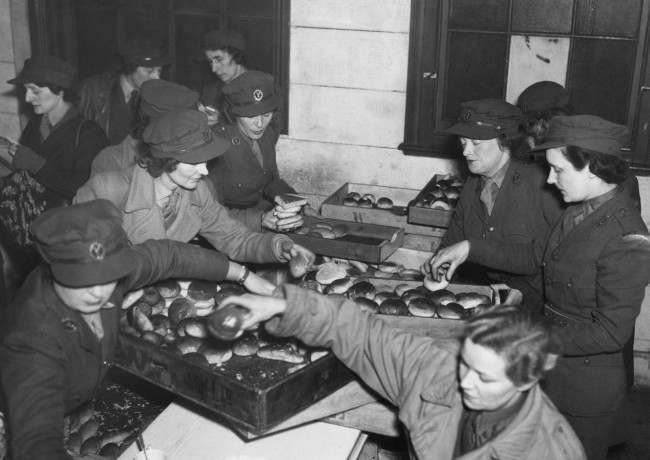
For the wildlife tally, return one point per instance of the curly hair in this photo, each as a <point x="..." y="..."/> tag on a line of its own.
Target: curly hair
<point x="537" y="123"/>
<point x="236" y="54"/>
<point x="609" y="168"/>
<point x="155" y="166"/>
<point x="70" y="95"/>
<point x="521" y="337"/>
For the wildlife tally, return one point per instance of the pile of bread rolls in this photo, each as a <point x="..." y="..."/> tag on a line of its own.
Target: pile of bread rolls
<point x="367" y="200"/>
<point x="443" y="194"/>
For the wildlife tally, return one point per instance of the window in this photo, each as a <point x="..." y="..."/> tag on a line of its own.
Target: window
<point x="464" y="49"/>
<point x="89" y="32"/>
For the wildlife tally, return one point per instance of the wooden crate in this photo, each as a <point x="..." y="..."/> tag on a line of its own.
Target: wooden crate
<point x="427" y="216"/>
<point x="365" y="242"/>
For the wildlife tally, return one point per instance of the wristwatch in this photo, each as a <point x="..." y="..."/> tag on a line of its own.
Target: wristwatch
<point x="243" y="274"/>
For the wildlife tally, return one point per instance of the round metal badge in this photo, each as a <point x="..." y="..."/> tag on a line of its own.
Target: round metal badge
<point x="258" y="95"/>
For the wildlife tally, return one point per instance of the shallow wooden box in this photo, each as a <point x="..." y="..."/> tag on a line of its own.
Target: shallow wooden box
<point x="252" y="393"/>
<point x="365" y="242"/>
<point x="427" y="216"/>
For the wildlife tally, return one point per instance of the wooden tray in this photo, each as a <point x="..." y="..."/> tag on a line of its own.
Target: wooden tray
<point x="252" y="393"/>
<point x="427" y="216"/>
<point x="365" y="242"/>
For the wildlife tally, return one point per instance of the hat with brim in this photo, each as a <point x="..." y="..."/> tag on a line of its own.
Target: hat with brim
<point x="219" y="39"/>
<point x="49" y="70"/>
<point x="256" y="108"/>
<point x="158" y="97"/>
<point x="84" y="244"/>
<point x="252" y="93"/>
<point x="485" y="119"/>
<point x="144" y="53"/>
<point x="588" y="132"/>
<point x="184" y="135"/>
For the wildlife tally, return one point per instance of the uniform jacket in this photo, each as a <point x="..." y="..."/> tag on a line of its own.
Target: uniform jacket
<point x="132" y="191"/>
<point x="595" y="279"/>
<point x="239" y="177"/>
<point x="50" y="360"/>
<point x="511" y="240"/>
<point x="116" y="157"/>
<point x="68" y="152"/>
<point x="418" y="374"/>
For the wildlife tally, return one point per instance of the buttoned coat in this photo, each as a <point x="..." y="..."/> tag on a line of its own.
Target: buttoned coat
<point x="595" y="278"/>
<point x="132" y="191"/>
<point x="419" y="375"/>
<point x="510" y="241"/>
<point x="238" y="176"/>
<point x="51" y="362"/>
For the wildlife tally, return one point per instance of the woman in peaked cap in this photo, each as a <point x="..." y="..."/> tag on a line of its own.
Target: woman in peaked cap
<point x="246" y="176"/>
<point x="596" y="268"/>
<point x="61" y="330"/>
<point x="505" y="210"/>
<point x="51" y="159"/>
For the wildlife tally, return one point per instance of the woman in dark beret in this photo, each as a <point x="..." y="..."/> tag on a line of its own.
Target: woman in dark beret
<point x="596" y="268"/>
<point x="52" y="157"/>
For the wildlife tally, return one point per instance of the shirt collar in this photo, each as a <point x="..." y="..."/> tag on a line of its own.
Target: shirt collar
<point x="127" y="88"/>
<point x="142" y="193"/>
<point x="591" y="205"/>
<point x="500" y="175"/>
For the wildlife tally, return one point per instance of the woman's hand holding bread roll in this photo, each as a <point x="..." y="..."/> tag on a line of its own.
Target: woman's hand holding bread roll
<point x="450" y="257"/>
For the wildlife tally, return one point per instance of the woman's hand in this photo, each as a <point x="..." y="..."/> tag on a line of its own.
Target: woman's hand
<point x="445" y="262"/>
<point x="258" y="285"/>
<point x="300" y="258"/>
<point x="279" y="220"/>
<point x="213" y="114"/>
<point x="260" y="308"/>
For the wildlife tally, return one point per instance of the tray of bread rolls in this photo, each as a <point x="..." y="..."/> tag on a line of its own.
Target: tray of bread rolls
<point x="254" y="382"/>
<point x="349" y="240"/>
<point x="435" y="203"/>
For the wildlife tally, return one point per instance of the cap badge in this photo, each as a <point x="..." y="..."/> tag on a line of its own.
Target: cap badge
<point x="69" y="325"/>
<point x="97" y="251"/>
<point x="258" y="95"/>
<point x="235" y="141"/>
<point x="467" y="115"/>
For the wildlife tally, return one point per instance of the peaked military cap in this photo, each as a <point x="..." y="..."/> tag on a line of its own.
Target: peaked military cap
<point x="487" y="119"/>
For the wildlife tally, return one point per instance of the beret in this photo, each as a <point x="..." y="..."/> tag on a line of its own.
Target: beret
<point x="185" y="136"/>
<point x="585" y="131"/>
<point x="84" y="244"/>
<point x="143" y="52"/>
<point x="218" y="39"/>
<point x="487" y="119"/>
<point x="543" y="95"/>
<point x="46" y="70"/>
<point x="160" y="96"/>
<point x="252" y="93"/>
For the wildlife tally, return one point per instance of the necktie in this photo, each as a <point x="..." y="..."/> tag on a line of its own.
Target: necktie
<point x="257" y="151"/>
<point x="572" y="217"/>
<point x="489" y="194"/>
<point x="134" y="102"/>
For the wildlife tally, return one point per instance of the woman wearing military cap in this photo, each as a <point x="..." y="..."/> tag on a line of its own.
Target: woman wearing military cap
<point x="225" y="53"/>
<point x="165" y="194"/>
<point x="246" y="176"/>
<point x="51" y="160"/>
<point x="505" y="210"/>
<point x="60" y="332"/>
<point x="596" y="268"/>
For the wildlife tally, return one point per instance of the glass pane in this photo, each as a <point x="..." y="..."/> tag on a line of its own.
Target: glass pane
<point x="260" y="42"/>
<point x="192" y="69"/>
<point x="483" y="15"/>
<point x="542" y="16"/>
<point x="251" y="7"/>
<point x="209" y="6"/>
<point x="600" y="77"/>
<point x="618" y="18"/>
<point x="476" y="66"/>
<point x="96" y="41"/>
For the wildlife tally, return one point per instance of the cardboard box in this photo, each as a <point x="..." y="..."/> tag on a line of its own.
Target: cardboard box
<point x="424" y="215"/>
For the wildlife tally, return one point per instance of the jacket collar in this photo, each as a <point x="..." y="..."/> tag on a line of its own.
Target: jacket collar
<point x="142" y="195"/>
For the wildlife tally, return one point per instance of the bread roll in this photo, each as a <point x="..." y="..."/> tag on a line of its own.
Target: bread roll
<point x="197" y="358"/>
<point x="339" y="286"/>
<point x="470" y="300"/>
<point x="400" y="289"/>
<point x="393" y="306"/>
<point x="380" y="296"/>
<point x="225" y="323"/>
<point x="349" y="201"/>
<point x="451" y="310"/>
<point x="354" y="195"/>
<point x="193" y="327"/>
<point x="412" y="294"/>
<point x="340" y="230"/>
<point x="364" y="203"/>
<point x="433" y="285"/>
<point x="362" y="289"/>
<point x="168" y="288"/>
<point x="369" y="196"/>
<point x="281" y="352"/>
<point x="330" y="272"/>
<point x="179" y="309"/>
<point x="442" y="297"/>
<point x="390" y="267"/>
<point x="440" y="204"/>
<point x="384" y="203"/>
<point x="247" y="345"/>
<point x="420" y="306"/>
<point x="189" y="345"/>
<point x="216" y="356"/>
<point x="151" y="296"/>
<point x="366" y="304"/>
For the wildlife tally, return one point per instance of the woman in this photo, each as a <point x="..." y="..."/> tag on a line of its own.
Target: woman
<point x="52" y="159"/>
<point x="224" y="51"/>
<point x="473" y="398"/>
<point x="246" y="176"/>
<point x="60" y="333"/>
<point x="505" y="210"/>
<point x="596" y="268"/>
<point x="166" y="196"/>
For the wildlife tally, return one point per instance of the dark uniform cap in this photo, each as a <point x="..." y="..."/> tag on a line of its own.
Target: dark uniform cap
<point x="84" y="244"/>
<point x="46" y="70"/>
<point x="543" y="95"/>
<point x="219" y="39"/>
<point x="252" y="93"/>
<point x="185" y="136"/>
<point x="143" y="53"/>
<point x="158" y="97"/>
<point x="487" y="119"/>
<point x="585" y="131"/>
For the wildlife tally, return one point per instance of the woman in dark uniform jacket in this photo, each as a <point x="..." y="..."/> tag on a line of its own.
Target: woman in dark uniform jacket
<point x="502" y="230"/>
<point x="60" y="332"/>
<point x="596" y="267"/>
<point x="247" y="176"/>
